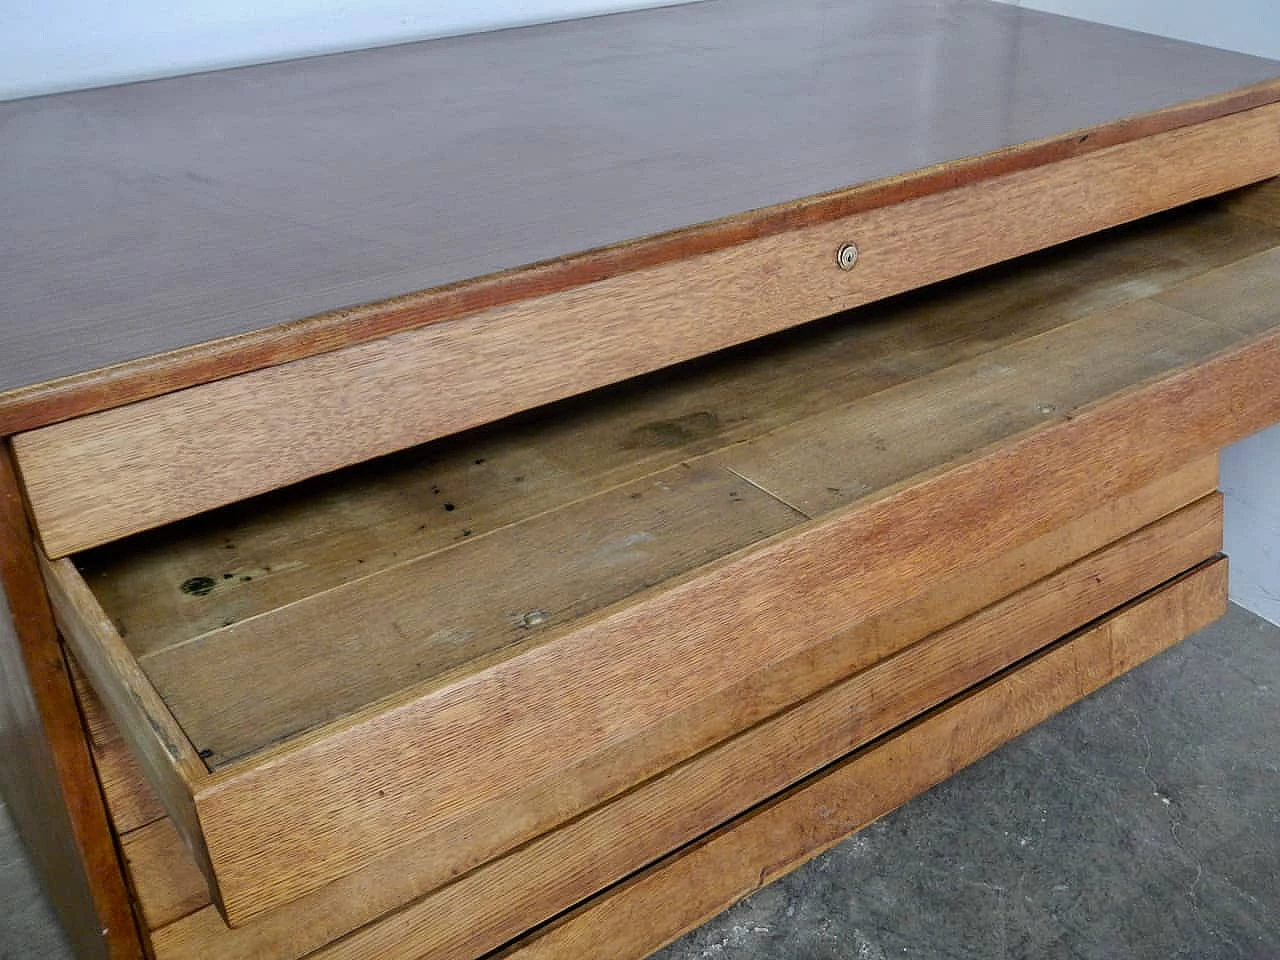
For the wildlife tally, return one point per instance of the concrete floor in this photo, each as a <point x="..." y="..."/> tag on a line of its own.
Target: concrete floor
<point x="27" y="927"/>
<point x="1141" y="823"/>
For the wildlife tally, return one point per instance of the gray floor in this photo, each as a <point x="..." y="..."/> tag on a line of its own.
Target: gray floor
<point x="27" y="927"/>
<point x="1141" y="823"/>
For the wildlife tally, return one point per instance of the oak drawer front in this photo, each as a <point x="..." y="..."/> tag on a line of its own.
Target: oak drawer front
<point x="106" y="475"/>
<point x="694" y="884"/>
<point x="651" y="683"/>
<point x="626" y="587"/>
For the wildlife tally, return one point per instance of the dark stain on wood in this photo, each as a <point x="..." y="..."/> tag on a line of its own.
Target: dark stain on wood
<point x="198" y="586"/>
<point x="675" y="432"/>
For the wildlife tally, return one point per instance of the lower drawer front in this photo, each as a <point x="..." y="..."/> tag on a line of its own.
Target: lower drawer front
<point x="461" y="919"/>
<point x="696" y="883"/>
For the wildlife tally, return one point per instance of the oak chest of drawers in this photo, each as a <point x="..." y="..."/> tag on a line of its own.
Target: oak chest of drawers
<point x="460" y="495"/>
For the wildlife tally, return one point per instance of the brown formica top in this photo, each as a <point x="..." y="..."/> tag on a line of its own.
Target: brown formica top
<point x="181" y="230"/>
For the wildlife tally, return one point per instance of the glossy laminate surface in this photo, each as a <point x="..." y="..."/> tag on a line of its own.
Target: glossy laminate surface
<point x="148" y="217"/>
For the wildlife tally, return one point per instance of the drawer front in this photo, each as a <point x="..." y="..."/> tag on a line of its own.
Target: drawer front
<point x="693" y="885"/>
<point x="427" y="764"/>
<point x="106" y="475"/>
<point x="489" y="907"/>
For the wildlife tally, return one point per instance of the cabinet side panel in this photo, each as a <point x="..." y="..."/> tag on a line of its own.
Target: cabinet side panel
<point x="48" y="780"/>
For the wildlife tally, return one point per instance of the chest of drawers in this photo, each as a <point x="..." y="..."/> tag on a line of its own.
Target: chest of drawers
<point x="470" y="495"/>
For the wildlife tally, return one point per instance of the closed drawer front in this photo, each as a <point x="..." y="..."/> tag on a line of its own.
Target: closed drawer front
<point x="464" y="647"/>
<point x="106" y="475"/>
<point x="693" y="884"/>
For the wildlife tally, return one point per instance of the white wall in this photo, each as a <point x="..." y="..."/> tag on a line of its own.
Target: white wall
<point x="1249" y="26"/>
<point x="1250" y="470"/>
<point x="51" y="45"/>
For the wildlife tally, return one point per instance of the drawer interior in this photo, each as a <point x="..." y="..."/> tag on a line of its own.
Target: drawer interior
<point x="507" y="609"/>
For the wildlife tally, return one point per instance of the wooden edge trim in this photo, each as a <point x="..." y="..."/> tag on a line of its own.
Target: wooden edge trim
<point x="168" y="758"/>
<point x="698" y="882"/>
<point x="42" y="404"/>
<point x="22" y="596"/>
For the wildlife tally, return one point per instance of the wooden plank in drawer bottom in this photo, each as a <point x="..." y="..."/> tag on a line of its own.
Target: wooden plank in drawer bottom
<point x="542" y="878"/>
<point x="694" y="884"/>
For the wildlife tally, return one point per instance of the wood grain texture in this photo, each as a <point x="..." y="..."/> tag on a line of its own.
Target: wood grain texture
<point x="1260" y="202"/>
<point x="587" y="149"/>
<point x="691" y="886"/>
<point x="1244" y="296"/>
<point x="432" y="862"/>
<point x="66" y="397"/>
<point x="130" y="798"/>
<point x="47" y="776"/>
<point x="925" y="423"/>
<point x="371" y="767"/>
<point x="330" y="655"/>
<point x="104" y="476"/>
<point x="545" y="877"/>
<point x="153" y="243"/>
<point x="166" y="882"/>
<point x="158" y="743"/>
<point x="300" y="542"/>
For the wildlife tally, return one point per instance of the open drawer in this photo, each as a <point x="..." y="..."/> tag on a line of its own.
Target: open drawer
<point x="467" y="644"/>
